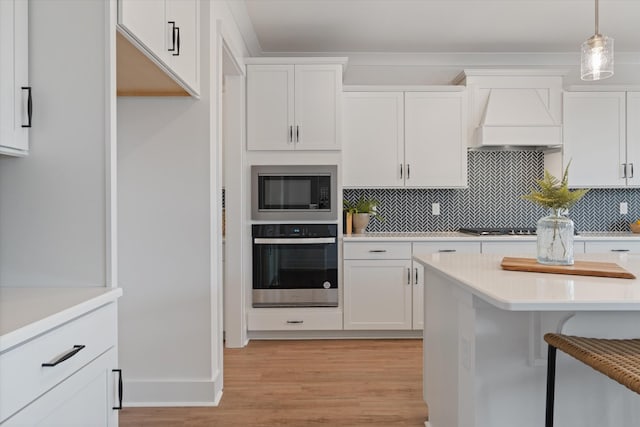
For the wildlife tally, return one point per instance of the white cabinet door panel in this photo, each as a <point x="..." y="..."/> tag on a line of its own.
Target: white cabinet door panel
<point x="184" y="59"/>
<point x="373" y="149"/>
<point x="270" y="107"/>
<point x="377" y="294"/>
<point x="317" y="107"/>
<point x="633" y="138"/>
<point x="594" y="138"/>
<point x="145" y="20"/>
<point x="14" y="77"/>
<point x="435" y="144"/>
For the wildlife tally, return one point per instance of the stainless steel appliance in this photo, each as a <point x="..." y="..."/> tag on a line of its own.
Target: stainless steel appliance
<point x="503" y="231"/>
<point x="295" y="265"/>
<point x="294" y="193"/>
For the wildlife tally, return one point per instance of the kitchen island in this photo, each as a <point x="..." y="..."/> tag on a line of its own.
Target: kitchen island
<point x="484" y="353"/>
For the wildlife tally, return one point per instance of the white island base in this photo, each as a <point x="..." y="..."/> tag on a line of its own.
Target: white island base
<point x="484" y="353"/>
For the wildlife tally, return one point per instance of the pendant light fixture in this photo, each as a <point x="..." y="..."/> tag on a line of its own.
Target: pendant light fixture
<point x="596" y="60"/>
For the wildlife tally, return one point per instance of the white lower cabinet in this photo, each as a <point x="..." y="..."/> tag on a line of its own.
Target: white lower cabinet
<point x="79" y="401"/>
<point x="64" y="377"/>
<point x="294" y="319"/>
<point x="612" y="246"/>
<point x="383" y="287"/>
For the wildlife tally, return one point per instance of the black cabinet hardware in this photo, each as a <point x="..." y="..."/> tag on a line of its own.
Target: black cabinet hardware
<point x="120" y="389"/>
<point x="29" y="105"/>
<point x="68" y="355"/>
<point x="295" y="322"/>
<point x="377" y="250"/>
<point x="173" y="36"/>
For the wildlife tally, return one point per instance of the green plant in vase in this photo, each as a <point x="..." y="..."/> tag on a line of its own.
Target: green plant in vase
<point x="361" y="211"/>
<point x="555" y="232"/>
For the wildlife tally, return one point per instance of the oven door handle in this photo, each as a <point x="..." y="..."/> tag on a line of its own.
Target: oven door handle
<point x="295" y="241"/>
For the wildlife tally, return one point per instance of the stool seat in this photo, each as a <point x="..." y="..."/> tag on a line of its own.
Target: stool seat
<point x="619" y="359"/>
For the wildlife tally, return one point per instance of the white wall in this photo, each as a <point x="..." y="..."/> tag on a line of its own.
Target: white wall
<point x="170" y="345"/>
<point x="54" y="225"/>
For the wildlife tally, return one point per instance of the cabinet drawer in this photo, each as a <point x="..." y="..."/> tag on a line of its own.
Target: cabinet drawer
<point x="377" y="250"/>
<point x="24" y="378"/>
<point x="420" y="248"/>
<point x="612" y="247"/>
<point x="294" y="320"/>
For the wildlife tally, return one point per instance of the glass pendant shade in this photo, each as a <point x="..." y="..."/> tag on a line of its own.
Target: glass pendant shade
<point x="596" y="62"/>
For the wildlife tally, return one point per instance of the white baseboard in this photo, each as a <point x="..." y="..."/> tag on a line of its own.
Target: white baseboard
<point x="171" y="393"/>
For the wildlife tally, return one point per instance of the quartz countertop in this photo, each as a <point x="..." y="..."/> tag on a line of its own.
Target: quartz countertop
<point x="26" y="312"/>
<point x="524" y="291"/>
<point x="457" y="236"/>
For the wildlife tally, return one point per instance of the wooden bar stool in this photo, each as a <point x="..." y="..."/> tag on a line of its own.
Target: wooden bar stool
<point x="619" y="359"/>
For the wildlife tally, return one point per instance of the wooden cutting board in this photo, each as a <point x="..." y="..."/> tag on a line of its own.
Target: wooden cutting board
<point x="580" y="268"/>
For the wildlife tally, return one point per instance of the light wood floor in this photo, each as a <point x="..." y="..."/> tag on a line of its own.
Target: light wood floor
<point x="309" y="383"/>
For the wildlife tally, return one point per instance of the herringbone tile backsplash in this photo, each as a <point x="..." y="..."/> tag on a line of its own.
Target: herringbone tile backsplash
<point x="497" y="179"/>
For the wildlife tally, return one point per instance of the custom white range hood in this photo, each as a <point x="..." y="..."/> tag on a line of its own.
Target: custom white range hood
<point x="517" y="117"/>
<point x="514" y="108"/>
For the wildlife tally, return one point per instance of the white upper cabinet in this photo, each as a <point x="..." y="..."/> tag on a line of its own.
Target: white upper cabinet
<point x="435" y="150"/>
<point x="595" y="140"/>
<point x="15" y="92"/>
<point x="168" y="32"/>
<point x="373" y="130"/>
<point x="633" y="138"/>
<point x="294" y="106"/>
<point x="412" y="139"/>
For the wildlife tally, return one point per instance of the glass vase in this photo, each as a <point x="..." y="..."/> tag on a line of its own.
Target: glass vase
<point x="555" y="239"/>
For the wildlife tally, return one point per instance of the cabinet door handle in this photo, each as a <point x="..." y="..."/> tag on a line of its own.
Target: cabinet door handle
<point x="177" y="53"/>
<point x="377" y="251"/>
<point x="620" y="250"/>
<point x="408" y="171"/>
<point x="400" y="170"/>
<point x="624" y="170"/>
<point x="120" y="389"/>
<point x="416" y="282"/>
<point x="290" y="133"/>
<point x="408" y="276"/>
<point x="65" y="356"/>
<point x="297" y="133"/>
<point x="295" y="322"/>
<point x="29" y="105"/>
<point x="173" y="36"/>
<point x="629" y="163"/>
<point x="446" y="250"/>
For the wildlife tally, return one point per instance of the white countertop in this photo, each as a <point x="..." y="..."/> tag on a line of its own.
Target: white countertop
<point x="523" y="291"/>
<point x="27" y="312"/>
<point x="457" y="236"/>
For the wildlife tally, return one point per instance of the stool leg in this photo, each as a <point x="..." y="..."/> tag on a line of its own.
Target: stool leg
<point x="551" y="382"/>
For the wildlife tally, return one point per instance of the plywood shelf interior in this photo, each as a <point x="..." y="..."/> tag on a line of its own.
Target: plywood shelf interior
<point x="137" y="75"/>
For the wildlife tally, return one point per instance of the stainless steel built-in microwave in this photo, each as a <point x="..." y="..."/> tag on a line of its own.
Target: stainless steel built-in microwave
<point x="291" y="193"/>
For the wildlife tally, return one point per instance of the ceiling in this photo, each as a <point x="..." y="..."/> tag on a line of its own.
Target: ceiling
<point x="436" y="26"/>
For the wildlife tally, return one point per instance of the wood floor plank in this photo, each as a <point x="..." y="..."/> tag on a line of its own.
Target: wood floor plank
<point x="308" y="383"/>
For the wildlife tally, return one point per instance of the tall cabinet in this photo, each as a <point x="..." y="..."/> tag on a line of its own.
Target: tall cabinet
<point x="294" y="106"/>
<point x="15" y="93"/>
<point x="409" y="139"/>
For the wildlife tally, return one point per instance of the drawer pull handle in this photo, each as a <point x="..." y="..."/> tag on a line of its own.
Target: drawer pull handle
<point x="446" y="250"/>
<point x="295" y="322"/>
<point x="619" y="250"/>
<point x="120" y="389"/>
<point x="68" y="355"/>
<point x="377" y="251"/>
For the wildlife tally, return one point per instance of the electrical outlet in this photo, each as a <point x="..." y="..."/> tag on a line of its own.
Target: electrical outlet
<point x="624" y="208"/>
<point x="435" y="208"/>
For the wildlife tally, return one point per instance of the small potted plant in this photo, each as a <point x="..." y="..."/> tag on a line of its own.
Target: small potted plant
<point x="555" y="232"/>
<point x="361" y="212"/>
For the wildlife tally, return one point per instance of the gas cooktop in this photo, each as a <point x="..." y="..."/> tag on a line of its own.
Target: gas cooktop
<point x="507" y="231"/>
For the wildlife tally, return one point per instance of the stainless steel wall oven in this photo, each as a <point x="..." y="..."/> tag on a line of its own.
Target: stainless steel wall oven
<point x="295" y="265"/>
